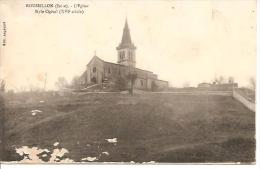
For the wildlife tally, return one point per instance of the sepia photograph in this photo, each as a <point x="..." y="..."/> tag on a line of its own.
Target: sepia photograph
<point x="128" y="82"/>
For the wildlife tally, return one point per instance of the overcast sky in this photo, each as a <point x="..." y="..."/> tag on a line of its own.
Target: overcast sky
<point x="181" y="41"/>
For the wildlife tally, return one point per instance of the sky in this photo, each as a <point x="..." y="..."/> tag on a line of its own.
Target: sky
<point x="180" y="41"/>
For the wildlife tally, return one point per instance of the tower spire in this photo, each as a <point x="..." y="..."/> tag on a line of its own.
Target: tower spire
<point x="126" y="48"/>
<point x="126" y="41"/>
<point x="126" y="23"/>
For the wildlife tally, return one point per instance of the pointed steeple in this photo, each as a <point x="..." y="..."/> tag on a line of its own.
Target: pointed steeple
<point x="126" y="49"/>
<point x="126" y="38"/>
<point x="126" y="41"/>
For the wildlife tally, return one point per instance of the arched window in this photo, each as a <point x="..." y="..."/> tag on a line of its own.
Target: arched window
<point x="123" y="54"/>
<point x="94" y="69"/>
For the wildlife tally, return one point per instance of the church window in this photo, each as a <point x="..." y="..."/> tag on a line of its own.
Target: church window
<point x="130" y="54"/>
<point x="109" y="71"/>
<point x="94" y="69"/>
<point x="142" y="83"/>
<point x="123" y="54"/>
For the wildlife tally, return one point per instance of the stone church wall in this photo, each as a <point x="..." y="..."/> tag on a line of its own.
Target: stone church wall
<point x="161" y="84"/>
<point x="98" y="71"/>
<point x="95" y="71"/>
<point x="140" y="83"/>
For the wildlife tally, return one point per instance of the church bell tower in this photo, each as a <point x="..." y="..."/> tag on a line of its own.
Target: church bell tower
<point x="126" y="49"/>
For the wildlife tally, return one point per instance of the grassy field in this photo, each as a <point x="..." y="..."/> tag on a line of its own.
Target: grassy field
<point x="148" y="127"/>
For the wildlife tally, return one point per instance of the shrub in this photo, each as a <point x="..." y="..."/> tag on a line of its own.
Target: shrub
<point x="121" y="83"/>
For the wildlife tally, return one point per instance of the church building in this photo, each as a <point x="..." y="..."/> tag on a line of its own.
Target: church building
<point x="99" y="71"/>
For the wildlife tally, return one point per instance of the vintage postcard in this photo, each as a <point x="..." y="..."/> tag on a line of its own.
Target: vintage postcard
<point x="133" y="82"/>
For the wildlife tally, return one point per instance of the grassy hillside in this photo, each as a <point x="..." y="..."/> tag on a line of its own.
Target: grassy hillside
<point x="148" y="127"/>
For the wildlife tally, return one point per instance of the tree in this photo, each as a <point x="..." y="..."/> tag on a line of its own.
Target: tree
<point x="132" y="77"/>
<point x="252" y="83"/>
<point x="2" y="86"/>
<point x="33" y="88"/>
<point x="2" y="123"/>
<point x="219" y="79"/>
<point x="231" y="79"/>
<point x="186" y="84"/>
<point x="75" y="83"/>
<point x="61" y="83"/>
<point x="121" y="83"/>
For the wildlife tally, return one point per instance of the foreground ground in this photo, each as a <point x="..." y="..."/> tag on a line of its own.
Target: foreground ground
<point x="147" y="127"/>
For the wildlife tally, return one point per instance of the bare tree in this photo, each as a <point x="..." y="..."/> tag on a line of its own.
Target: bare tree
<point x="219" y="79"/>
<point x="121" y="83"/>
<point x="132" y="77"/>
<point x="231" y="79"/>
<point x="2" y="85"/>
<point x="22" y="89"/>
<point x="33" y="88"/>
<point x="2" y="122"/>
<point x="45" y="82"/>
<point x="75" y="83"/>
<point x="61" y="83"/>
<point x="186" y="84"/>
<point x="252" y="83"/>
